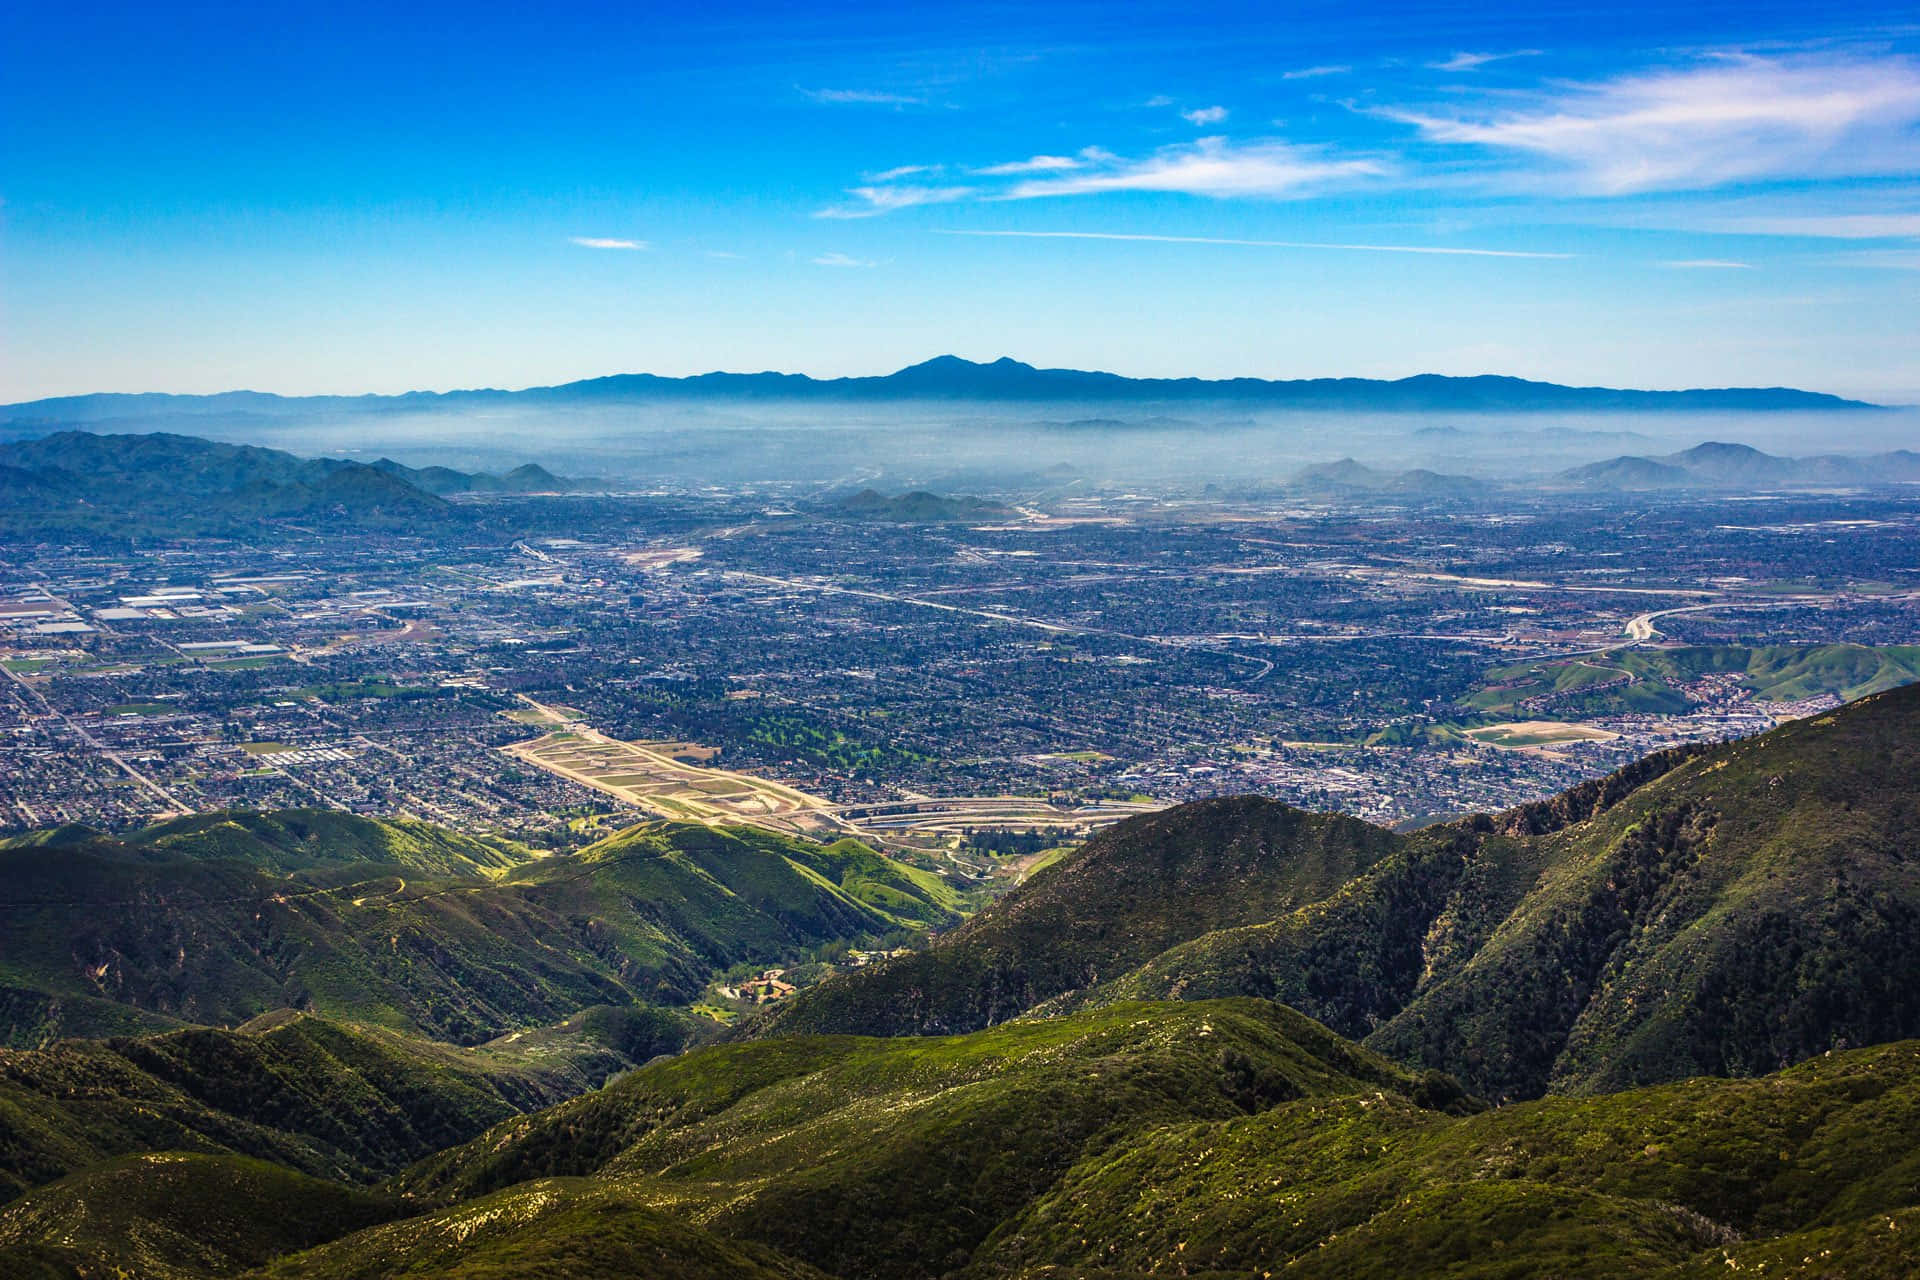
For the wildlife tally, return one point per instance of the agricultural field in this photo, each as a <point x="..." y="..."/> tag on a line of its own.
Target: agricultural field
<point x="648" y="776"/>
<point x="1537" y="734"/>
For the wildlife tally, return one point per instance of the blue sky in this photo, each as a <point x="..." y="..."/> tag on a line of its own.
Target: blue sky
<point x="338" y="199"/>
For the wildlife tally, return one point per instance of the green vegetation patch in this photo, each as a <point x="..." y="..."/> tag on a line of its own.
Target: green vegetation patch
<point x="351" y="690"/>
<point x="178" y="1216"/>
<point x="1644" y="680"/>
<point x="825" y="747"/>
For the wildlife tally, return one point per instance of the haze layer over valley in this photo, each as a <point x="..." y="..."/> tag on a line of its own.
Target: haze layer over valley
<point x="951" y="424"/>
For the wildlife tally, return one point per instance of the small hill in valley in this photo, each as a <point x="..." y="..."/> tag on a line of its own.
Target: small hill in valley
<point x="1721" y="465"/>
<point x="529" y="477"/>
<point x="1628" y="473"/>
<point x="1348" y="477"/>
<point x="920" y="507"/>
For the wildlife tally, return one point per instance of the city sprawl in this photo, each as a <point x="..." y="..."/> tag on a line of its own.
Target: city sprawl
<point x="1064" y="662"/>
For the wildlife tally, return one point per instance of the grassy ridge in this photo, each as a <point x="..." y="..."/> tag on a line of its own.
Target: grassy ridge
<point x="1776" y="673"/>
<point x="315" y="1096"/>
<point x="545" y="1231"/>
<point x="1724" y="911"/>
<point x="898" y="1157"/>
<point x="290" y="840"/>
<point x="175" y="1216"/>
<point x="1227" y="1138"/>
<point x="218" y="918"/>
<point x="1130" y="893"/>
<point x="1659" y="1181"/>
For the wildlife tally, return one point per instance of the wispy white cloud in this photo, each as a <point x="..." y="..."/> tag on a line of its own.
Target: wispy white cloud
<point x="1474" y="61"/>
<point x="1313" y="73"/>
<point x="1733" y="119"/>
<point x="723" y="254"/>
<point x="903" y="171"/>
<point x="1707" y="264"/>
<point x="1204" y="115"/>
<point x="1441" y="250"/>
<point x="862" y="97"/>
<point x="603" y="242"/>
<point x="1158" y="100"/>
<point x="1035" y="164"/>
<point x="876" y="200"/>
<point x="1209" y="167"/>
<point x="840" y="260"/>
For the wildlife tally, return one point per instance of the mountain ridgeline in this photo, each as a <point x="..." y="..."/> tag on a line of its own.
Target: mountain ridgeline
<point x="950" y="378"/>
<point x="1219" y="1138"/>
<point x="1719" y="911"/>
<point x="1660" y="1025"/>
<point x="220" y="918"/>
<point x="175" y="484"/>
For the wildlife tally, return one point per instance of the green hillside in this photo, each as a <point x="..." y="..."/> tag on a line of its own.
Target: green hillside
<point x="1644" y="680"/>
<point x="558" y="1230"/>
<point x="216" y="919"/>
<point x="1228" y="1138"/>
<point x="1707" y="1177"/>
<point x="1127" y="895"/>
<point x="175" y="1216"/>
<point x="1754" y="907"/>
<point x="1626" y="970"/>
<point x="315" y="1096"/>
<point x="1723" y="911"/>
<point x="289" y="840"/>
<point x="900" y="1157"/>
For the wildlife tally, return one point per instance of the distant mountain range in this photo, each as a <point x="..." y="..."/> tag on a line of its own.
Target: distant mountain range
<point x="950" y="378"/>
<point x="173" y="485"/>
<point x="1718" y="465"/>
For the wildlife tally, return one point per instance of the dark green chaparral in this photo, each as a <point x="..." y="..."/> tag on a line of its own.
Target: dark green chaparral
<point x="1692" y="989"/>
<point x="220" y="918"/>
<point x="1720" y="911"/>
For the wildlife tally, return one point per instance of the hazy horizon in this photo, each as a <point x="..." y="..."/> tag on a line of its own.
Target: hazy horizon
<point x="881" y="372"/>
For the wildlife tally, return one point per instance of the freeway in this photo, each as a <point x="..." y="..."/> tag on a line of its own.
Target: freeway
<point x="1640" y="628"/>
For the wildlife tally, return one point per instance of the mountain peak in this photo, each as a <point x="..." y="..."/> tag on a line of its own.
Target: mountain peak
<point x="1720" y="449"/>
<point x="952" y="365"/>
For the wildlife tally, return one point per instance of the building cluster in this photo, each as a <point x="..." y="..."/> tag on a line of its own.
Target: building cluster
<point x="1167" y="653"/>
